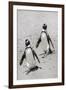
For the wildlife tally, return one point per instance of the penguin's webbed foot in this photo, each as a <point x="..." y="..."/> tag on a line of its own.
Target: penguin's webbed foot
<point x="33" y="69"/>
<point x="27" y="72"/>
<point x="50" y="52"/>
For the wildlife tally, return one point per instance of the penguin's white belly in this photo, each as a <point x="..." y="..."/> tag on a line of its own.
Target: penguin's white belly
<point x="43" y="35"/>
<point x="30" y="62"/>
<point x="44" y="41"/>
<point x="28" y="51"/>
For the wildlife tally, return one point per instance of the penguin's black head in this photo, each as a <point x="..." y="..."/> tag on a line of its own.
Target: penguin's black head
<point x="44" y="26"/>
<point x="27" y="42"/>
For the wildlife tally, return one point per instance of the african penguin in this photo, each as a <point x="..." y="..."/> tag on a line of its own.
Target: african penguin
<point x="44" y="37"/>
<point x="29" y="54"/>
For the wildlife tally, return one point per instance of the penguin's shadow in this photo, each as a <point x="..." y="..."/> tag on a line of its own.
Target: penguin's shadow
<point x="32" y="69"/>
<point x="43" y="55"/>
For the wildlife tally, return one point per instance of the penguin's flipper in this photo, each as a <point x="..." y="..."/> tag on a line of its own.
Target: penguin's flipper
<point x="50" y="41"/>
<point x="34" y="53"/>
<point x="23" y="56"/>
<point x="38" y="42"/>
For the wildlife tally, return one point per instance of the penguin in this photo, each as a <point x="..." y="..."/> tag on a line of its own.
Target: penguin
<point x="30" y="55"/>
<point x="45" y="36"/>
